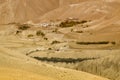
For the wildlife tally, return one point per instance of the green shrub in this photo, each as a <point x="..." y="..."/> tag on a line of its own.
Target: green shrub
<point x="113" y="43"/>
<point x="30" y="35"/>
<point x="79" y="31"/>
<point x="85" y="26"/>
<point x="83" y="21"/>
<point x="49" y="48"/>
<point x="56" y="30"/>
<point x="72" y="30"/>
<point x="71" y="23"/>
<point x="17" y="32"/>
<point x="40" y="33"/>
<point x="55" y="42"/>
<point x="45" y="38"/>
<point x="63" y="60"/>
<point x="90" y="43"/>
<point x="68" y="23"/>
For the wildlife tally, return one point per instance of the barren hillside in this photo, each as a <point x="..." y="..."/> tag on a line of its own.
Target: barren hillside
<point x="58" y="39"/>
<point x="14" y="65"/>
<point x="24" y="10"/>
<point x="102" y="16"/>
<point x="29" y="10"/>
<point x="87" y="10"/>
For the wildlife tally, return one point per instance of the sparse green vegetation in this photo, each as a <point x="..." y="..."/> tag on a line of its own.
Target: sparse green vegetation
<point x="63" y="60"/>
<point x="95" y="43"/>
<point x="91" y="33"/>
<point x="113" y="43"/>
<point x="49" y="48"/>
<point x="13" y="23"/>
<point x="55" y="30"/>
<point x="55" y="42"/>
<point x="30" y="35"/>
<point x="23" y="27"/>
<point x="45" y="38"/>
<point x="91" y="43"/>
<point x="79" y="31"/>
<point x="83" y="21"/>
<point x="71" y="30"/>
<point x="40" y="33"/>
<point x="17" y="32"/>
<point x="70" y="23"/>
<point x="85" y="26"/>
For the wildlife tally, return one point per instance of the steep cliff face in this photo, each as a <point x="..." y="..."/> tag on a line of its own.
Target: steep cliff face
<point x="24" y="10"/>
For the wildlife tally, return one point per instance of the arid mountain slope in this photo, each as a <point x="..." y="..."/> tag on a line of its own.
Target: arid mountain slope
<point x="29" y="10"/>
<point x="24" y="10"/>
<point x="67" y="2"/>
<point x="102" y="16"/>
<point x="89" y="10"/>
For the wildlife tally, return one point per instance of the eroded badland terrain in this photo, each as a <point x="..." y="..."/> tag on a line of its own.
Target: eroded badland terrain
<point x="59" y="40"/>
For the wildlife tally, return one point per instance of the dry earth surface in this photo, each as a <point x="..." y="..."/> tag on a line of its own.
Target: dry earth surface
<point x="59" y="39"/>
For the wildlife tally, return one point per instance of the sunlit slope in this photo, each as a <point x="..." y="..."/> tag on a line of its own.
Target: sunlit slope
<point x="89" y="10"/>
<point x="103" y="20"/>
<point x="14" y="65"/>
<point x="14" y="74"/>
<point x="30" y="10"/>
